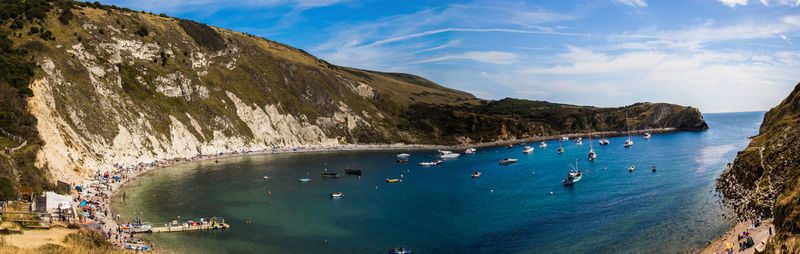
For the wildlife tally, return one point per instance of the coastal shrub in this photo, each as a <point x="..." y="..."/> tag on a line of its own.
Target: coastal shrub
<point x="7" y="190"/>
<point x="142" y="31"/>
<point x="203" y="35"/>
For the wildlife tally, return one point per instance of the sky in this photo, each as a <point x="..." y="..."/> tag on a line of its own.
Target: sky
<point x="717" y="55"/>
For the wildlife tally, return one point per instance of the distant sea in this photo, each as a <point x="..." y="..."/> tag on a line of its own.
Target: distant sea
<point x="441" y="209"/>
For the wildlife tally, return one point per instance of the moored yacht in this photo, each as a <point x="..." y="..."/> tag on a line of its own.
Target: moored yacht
<point x="527" y="150"/>
<point x="507" y="161"/>
<point x="470" y="150"/>
<point x="564" y="138"/>
<point x="448" y="154"/>
<point x="646" y="135"/>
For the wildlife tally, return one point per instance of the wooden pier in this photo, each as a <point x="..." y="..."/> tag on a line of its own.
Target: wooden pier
<point x="181" y="228"/>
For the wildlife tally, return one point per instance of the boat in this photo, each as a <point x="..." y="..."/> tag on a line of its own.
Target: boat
<point x="448" y="154"/>
<point x="564" y="138"/>
<point x="560" y="149"/>
<point x="350" y="171"/>
<point x="470" y="150"/>
<point x="527" y="150"/>
<point x="507" y="161"/>
<point x="327" y="174"/>
<point x="393" y="180"/>
<point x="653" y="167"/>
<point x="304" y="180"/>
<point x="399" y="251"/>
<point x="430" y="163"/>
<point x="337" y="195"/>
<point x="604" y="142"/>
<point x="579" y="139"/>
<point x="592" y="154"/>
<point x="476" y="174"/>
<point x="646" y="135"/>
<point x="403" y="155"/>
<point x="629" y="142"/>
<point x="579" y="142"/>
<point x="630" y="169"/>
<point x="543" y="144"/>
<point x="509" y="146"/>
<point x="574" y="174"/>
<point x="402" y="160"/>
<point x="266" y="177"/>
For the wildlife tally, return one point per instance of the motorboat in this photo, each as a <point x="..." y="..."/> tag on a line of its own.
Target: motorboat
<point x="470" y="150"/>
<point x="509" y="146"/>
<point x="476" y="174"/>
<point x="542" y="145"/>
<point x="646" y="135"/>
<point x="266" y="177"/>
<point x="403" y="155"/>
<point x="350" y="171"/>
<point x="402" y="160"/>
<point x="564" y="138"/>
<point x="304" y="180"/>
<point x="527" y="150"/>
<point x="430" y="163"/>
<point x="630" y="169"/>
<point x="448" y="154"/>
<point x="399" y="251"/>
<point x="604" y="142"/>
<point x="327" y="174"/>
<point x="507" y="161"/>
<point x="337" y="195"/>
<point x="393" y="180"/>
<point x="579" y="142"/>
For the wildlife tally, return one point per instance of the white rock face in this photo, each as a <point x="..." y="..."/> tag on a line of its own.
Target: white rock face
<point x="177" y="85"/>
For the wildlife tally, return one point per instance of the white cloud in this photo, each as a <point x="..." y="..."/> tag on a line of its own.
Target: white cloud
<point x="782" y="2"/>
<point x="634" y="3"/>
<point x="493" y="57"/>
<point x="733" y="3"/>
<point x="443" y="30"/>
<point x="792" y="20"/>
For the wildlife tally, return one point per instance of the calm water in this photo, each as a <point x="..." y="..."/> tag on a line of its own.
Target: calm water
<point x="441" y="209"/>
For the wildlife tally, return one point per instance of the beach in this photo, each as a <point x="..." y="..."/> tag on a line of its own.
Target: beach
<point x="760" y="235"/>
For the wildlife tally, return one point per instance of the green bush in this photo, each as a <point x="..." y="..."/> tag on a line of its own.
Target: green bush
<point x="142" y="31"/>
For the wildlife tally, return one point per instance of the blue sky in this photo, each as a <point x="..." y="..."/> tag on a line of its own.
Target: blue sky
<point x="718" y="55"/>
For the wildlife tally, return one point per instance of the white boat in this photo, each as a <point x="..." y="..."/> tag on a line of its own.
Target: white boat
<point x="337" y="195"/>
<point x="304" y="180"/>
<point x="603" y="142"/>
<point x="543" y="144"/>
<point x="630" y="169"/>
<point x="564" y="139"/>
<point x="592" y="154"/>
<point x="629" y="142"/>
<point x="527" y="150"/>
<point x="402" y="155"/>
<point x="574" y="175"/>
<point x="266" y="177"/>
<point x="579" y="142"/>
<point x="448" y="154"/>
<point x="646" y="135"/>
<point x="430" y="163"/>
<point x="470" y="150"/>
<point x="579" y="139"/>
<point x="507" y="161"/>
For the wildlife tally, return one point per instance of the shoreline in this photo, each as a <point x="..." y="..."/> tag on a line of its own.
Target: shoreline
<point x="130" y="172"/>
<point x="761" y="235"/>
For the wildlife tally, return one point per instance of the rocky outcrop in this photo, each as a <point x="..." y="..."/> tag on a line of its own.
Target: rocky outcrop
<point x="764" y="179"/>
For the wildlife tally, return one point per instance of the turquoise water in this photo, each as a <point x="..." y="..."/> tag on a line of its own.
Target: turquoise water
<point x="442" y="209"/>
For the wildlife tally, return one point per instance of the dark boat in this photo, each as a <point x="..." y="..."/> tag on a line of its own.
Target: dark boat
<point x="402" y="160"/>
<point x="330" y="174"/>
<point x="352" y="171"/>
<point x="399" y="251"/>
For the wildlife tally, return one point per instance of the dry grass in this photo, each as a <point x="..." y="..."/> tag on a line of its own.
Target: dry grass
<point x="59" y="240"/>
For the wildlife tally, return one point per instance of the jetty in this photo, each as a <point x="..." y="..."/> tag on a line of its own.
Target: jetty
<point x="187" y="227"/>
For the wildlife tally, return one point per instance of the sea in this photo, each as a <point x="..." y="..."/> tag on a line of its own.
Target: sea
<point x="517" y="208"/>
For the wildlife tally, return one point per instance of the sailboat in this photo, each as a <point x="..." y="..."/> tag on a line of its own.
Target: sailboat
<point x="592" y="154"/>
<point x="543" y="144"/>
<point x="603" y="141"/>
<point x="560" y="149"/>
<point x="629" y="142"/>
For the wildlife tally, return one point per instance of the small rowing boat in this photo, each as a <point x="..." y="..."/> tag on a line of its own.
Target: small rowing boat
<point x="393" y="180"/>
<point x="476" y="174"/>
<point x="304" y="180"/>
<point x="337" y="195"/>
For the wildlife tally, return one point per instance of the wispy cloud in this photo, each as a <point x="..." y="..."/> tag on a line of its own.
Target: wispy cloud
<point x="733" y="3"/>
<point x="493" y="57"/>
<point x="634" y="3"/>
<point x="444" y="30"/>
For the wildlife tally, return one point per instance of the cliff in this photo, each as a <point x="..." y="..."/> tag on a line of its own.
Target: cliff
<point x="764" y="178"/>
<point x="106" y="85"/>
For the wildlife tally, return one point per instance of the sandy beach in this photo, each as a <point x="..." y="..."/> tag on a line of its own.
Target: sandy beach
<point x="760" y="235"/>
